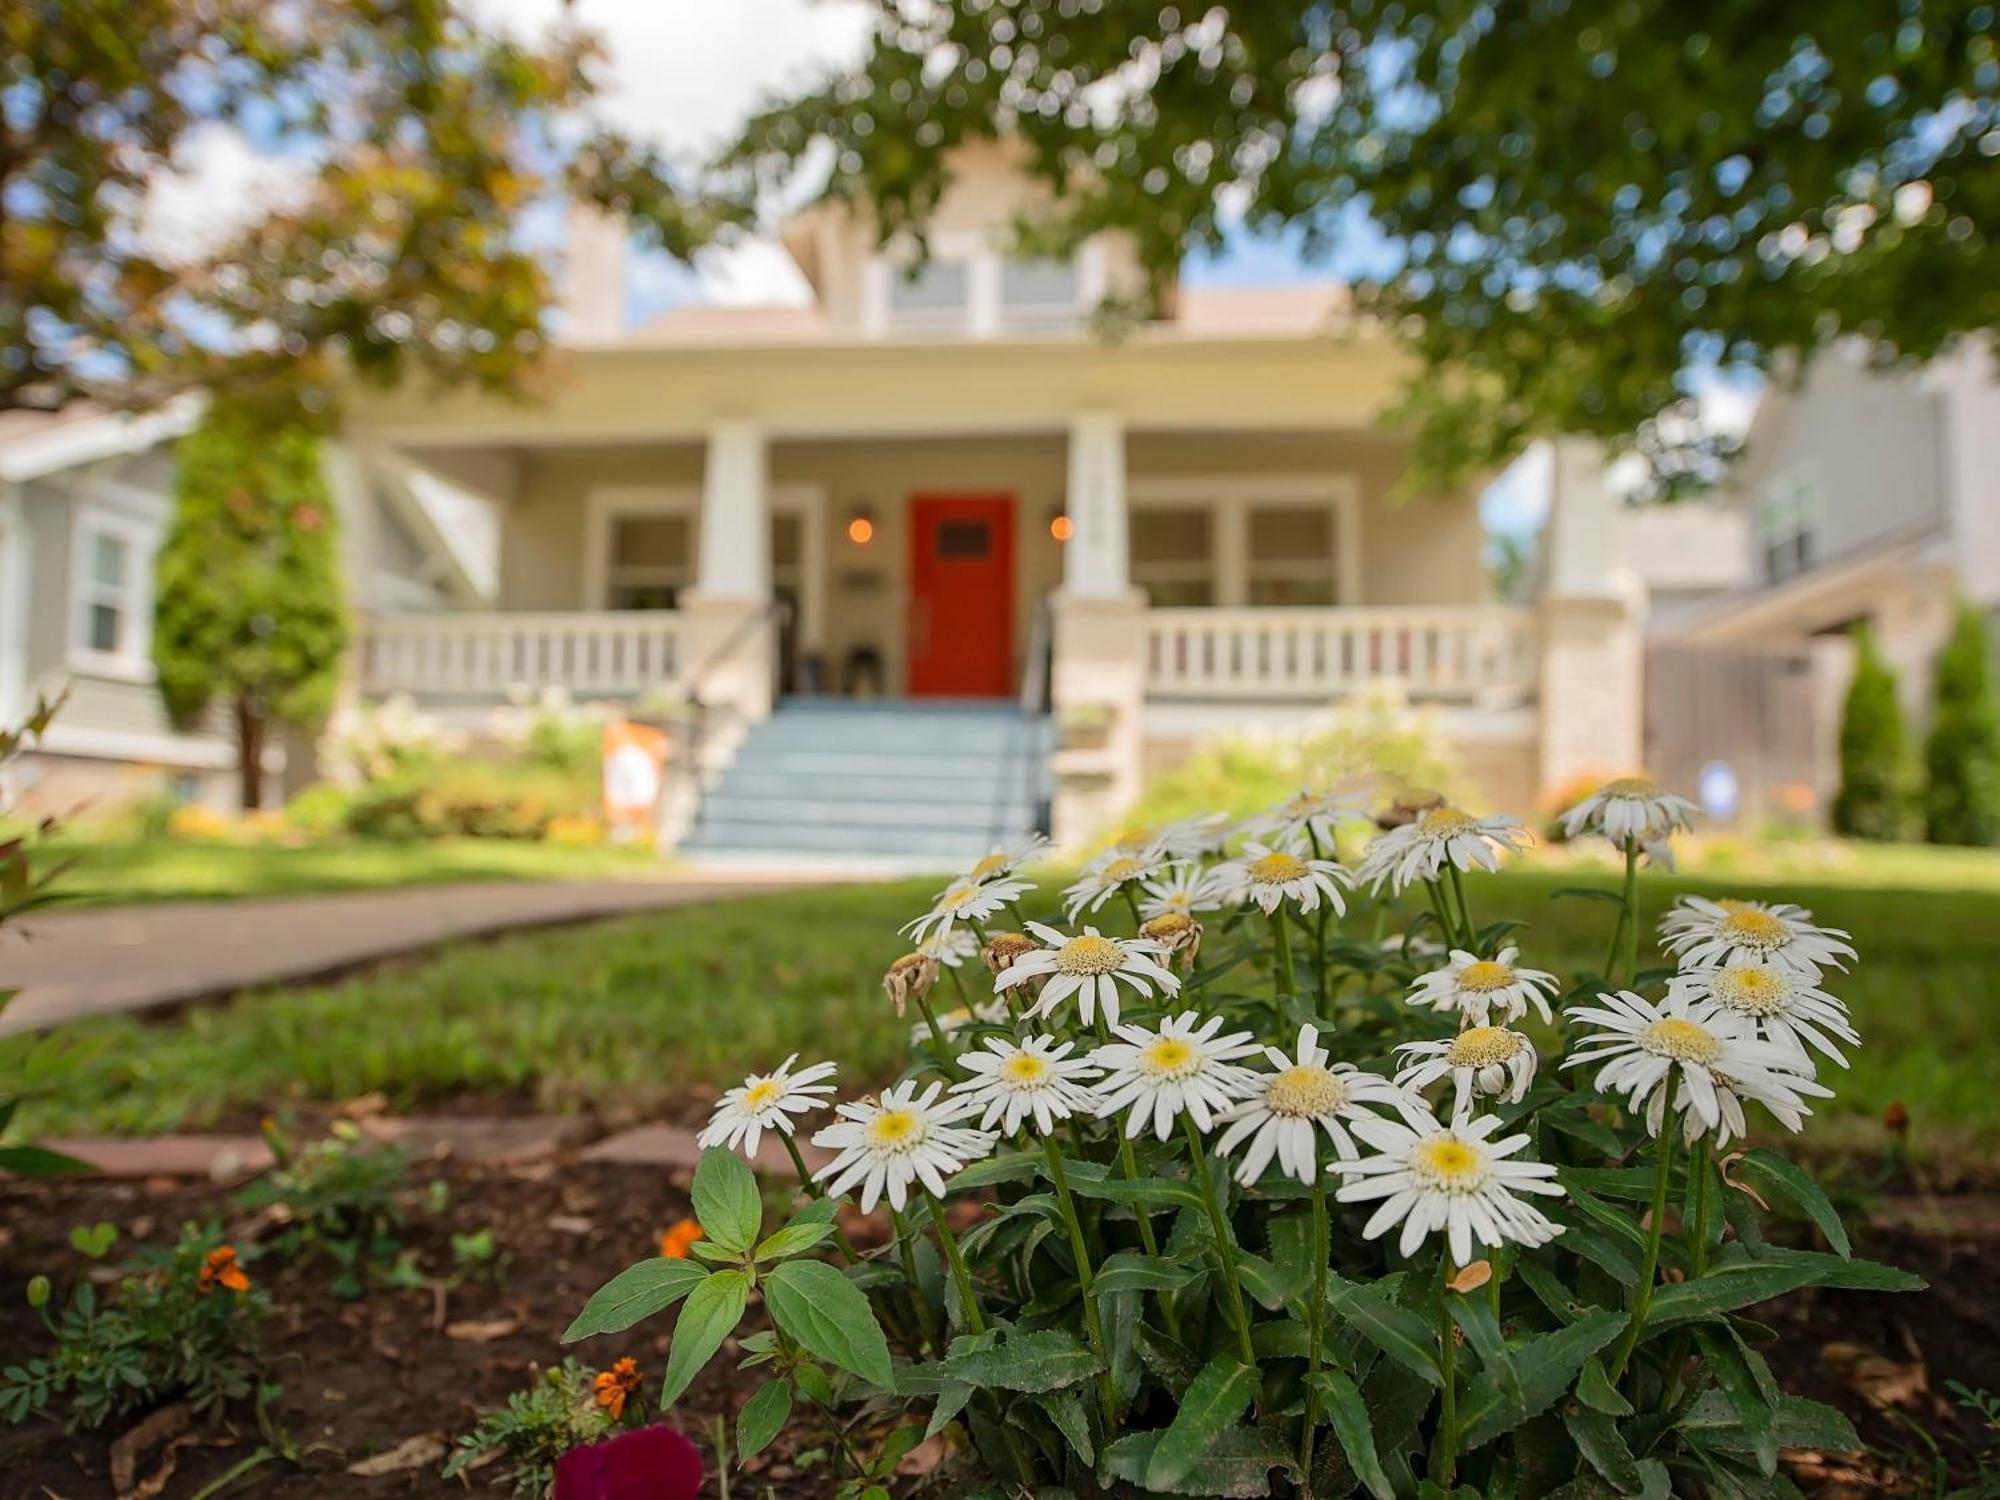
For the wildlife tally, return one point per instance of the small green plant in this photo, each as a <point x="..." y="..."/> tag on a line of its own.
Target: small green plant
<point x="1870" y="804"/>
<point x="338" y="1199"/>
<point x="565" y="1408"/>
<point x="1962" y="754"/>
<point x="180" y="1324"/>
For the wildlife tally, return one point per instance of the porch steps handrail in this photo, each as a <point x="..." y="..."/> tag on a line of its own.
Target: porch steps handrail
<point x="1440" y="652"/>
<point x="495" y="653"/>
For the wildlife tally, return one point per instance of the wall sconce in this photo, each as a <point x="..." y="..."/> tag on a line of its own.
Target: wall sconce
<point x="861" y="526"/>
<point x="1061" y="527"/>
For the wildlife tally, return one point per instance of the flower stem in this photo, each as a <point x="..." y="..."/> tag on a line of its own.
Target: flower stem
<point x="930" y="1020"/>
<point x="1628" y="915"/>
<point x="1446" y="926"/>
<point x="1132" y="905"/>
<point x="1444" y="1457"/>
<point x="1464" y="908"/>
<point x="964" y="995"/>
<point x="1632" y="906"/>
<point x="974" y="1319"/>
<point x="1282" y="957"/>
<point x="1225" y="1244"/>
<point x="1642" y="1295"/>
<point x="1092" y="1323"/>
<point x="1322" y="1252"/>
<point x="906" y="1253"/>
<point x="813" y="1190"/>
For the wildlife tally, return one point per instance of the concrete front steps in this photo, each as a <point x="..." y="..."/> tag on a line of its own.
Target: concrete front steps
<point x="836" y="783"/>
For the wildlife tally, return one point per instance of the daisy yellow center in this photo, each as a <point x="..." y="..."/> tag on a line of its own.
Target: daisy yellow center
<point x="896" y="1130"/>
<point x="993" y="864"/>
<point x="1121" y="869"/>
<point x="1024" y="1070"/>
<point x="1089" y="954"/>
<point x="1683" y="1041"/>
<point x="1631" y="786"/>
<point x="1483" y="1046"/>
<point x="1753" y="928"/>
<point x="1305" y="1091"/>
<point x="1277" y="868"/>
<point x="1443" y="822"/>
<point x="1169" y="1057"/>
<point x="1485" y="976"/>
<point x="763" y="1092"/>
<point x="959" y="894"/>
<point x="1754" y="990"/>
<point x="1448" y="1165"/>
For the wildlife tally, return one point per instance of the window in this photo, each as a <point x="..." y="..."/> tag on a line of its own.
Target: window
<point x="1783" y="521"/>
<point x="932" y="295"/>
<point x="652" y="560"/>
<point x="1292" y="555"/>
<point x="1038" y="293"/>
<point x="113" y="625"/>
<point x="1173" y="554"/>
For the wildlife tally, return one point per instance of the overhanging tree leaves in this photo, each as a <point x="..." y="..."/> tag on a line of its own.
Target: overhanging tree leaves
<point x="1585" y="200"/>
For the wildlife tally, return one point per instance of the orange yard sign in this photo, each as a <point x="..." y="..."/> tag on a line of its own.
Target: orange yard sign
<point x="635" y="763"/>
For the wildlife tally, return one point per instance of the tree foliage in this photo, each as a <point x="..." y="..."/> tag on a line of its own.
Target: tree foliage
<point x="249" y="604"/>
<point x="1583" y="200"/>
<point x="417" y="141"/>
<point x="1962" y="754"/>
<point x="1870" y="804"/>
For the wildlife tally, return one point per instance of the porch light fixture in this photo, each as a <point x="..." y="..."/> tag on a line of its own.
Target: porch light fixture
<point x="861" y="526"/>
<point x="1061" y="527"/>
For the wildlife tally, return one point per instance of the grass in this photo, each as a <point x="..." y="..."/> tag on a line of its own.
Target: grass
<point x="636" y="1017"/>
<point x="109" y="871"/>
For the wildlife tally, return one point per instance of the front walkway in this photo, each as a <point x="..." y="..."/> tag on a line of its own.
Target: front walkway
<point x="71" y="964"/>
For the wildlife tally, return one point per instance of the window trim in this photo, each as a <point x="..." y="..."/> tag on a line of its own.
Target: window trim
<point x="1786" y="514"/>
<point x="132" y="661"/>
<point x="1231" y="497"/>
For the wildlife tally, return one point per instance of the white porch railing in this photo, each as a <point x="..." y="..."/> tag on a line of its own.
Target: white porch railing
<point x="1474" y="652"/>
<point x="492" y="655"/>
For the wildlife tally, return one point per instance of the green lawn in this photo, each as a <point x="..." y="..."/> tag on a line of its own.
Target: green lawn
<point x="629" y="1018"/>
<point x="117" y="871"/>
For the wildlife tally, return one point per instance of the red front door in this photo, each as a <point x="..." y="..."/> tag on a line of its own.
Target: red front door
<point x="961" y="615"/>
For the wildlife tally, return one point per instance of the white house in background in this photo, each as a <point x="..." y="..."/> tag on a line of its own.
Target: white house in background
<point x="86" y="495"/>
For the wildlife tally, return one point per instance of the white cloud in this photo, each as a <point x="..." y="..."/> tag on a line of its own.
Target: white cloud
<point x="218" y="186"/>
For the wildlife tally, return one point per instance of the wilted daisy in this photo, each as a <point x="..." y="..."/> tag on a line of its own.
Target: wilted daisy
<point x="1307" y="814"/>
<point x="1106" y="876"/>
<point x="1490" y="1062"/>
<point x="1479" y="989"/>
<point x="1442" y="835"/>
<point x="1630" y="809"/>
<point x="910" y="977"/>
<point x="1712" y="1051"/>
<point x="965" y="901"/>
<point x="1089" y="966"/>
<point x="1705" y="934"/>
<point x="1002" y="948"/>
<point x="1178" y="934"/>
<point x="1267" y="877"/>
<point x="1184" y="1066"/>
<point x="1012" y="1081"/>
<point x="1307" y="1094"/>
<point x="1450" y="1178"/>
<point x="766" y="1101"/>
<point x="1784" y="1007"/>
<point x="1002" y="860"/>
<point x="1181" y="889"/>
<point x="884" y="1144"/>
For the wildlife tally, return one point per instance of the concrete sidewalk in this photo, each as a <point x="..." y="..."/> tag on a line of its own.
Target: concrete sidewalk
<point x="71" y="964"/>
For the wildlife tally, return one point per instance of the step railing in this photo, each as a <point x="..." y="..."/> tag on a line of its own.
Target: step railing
<point x="504" y="653"/>
<point x="1446" y="652"/>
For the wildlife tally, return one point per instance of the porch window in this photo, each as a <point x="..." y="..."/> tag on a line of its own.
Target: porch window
<point x="934" y="295"/>
<point x="112" y="626"/>
<point x="652" y="560"/>
<point x="1173" y="554"/>
<point x="1292" y="555"/>
<point x="1039" y="293"/>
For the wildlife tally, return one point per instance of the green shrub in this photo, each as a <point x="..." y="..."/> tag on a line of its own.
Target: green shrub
<point x="1871" y="801"/>
<point x="1962" y="755"/>
<point x="470" y="799"/>
<point x="319" y="810"/>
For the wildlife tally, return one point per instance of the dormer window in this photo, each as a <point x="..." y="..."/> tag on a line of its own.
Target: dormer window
<point x="934" y="295"/>
<point x="1039" y="293"/>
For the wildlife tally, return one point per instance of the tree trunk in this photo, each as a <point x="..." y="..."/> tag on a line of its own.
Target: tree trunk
<point x="250" y="752"/>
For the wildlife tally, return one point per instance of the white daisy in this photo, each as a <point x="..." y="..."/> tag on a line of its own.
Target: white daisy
<point x="1037" y="1077"/>
<point x="1450" y="1178"/>
<point x="1705" y="934"/>
<point x="1182" y="1066"/>
<point x="1089" y="966"/>
<point x="1180" y="890"/>
<point x="1487" y="1061"/>
<point x="950" y="948"/>
<point x="1106" y="876"/>
<point x="1002" y="860"/>
<point x="1416" y="945"/>
<point x="1419" y="849"/>
<point x="766" y="1101"/>
<point x="965" y="901"/>
<point x="1477" y="989"/>
<point x="1784" y="1007"/>
<point x="950" y="1022"/>
<point x="1630" y="809"/>
<point x="1188" y="838"/>
<point x="1267" y="877"/>
<point x="1307" y="814"/>
<point x="1714" y="1052"/>
<point x="887" y="1143"/>
<point x="1306" y="1093"/>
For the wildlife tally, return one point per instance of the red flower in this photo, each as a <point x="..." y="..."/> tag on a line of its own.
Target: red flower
<point x="647" y="1463"/>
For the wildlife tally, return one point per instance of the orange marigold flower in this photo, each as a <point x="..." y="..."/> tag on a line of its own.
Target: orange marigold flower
<point x="221" y="1269"/>
<point x="614" y="1385"/>
<point x="675" y="1242"/>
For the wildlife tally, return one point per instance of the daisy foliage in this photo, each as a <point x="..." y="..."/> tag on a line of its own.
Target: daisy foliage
<point x="1232" y="1179"/>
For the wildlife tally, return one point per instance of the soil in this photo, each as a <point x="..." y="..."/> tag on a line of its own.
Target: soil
<point x="362" y="1377"/>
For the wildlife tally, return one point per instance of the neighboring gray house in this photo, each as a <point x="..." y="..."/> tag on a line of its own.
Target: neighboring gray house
<point x="85" y="498"/>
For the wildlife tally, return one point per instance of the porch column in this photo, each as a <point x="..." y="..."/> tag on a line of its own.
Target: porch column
<point x="1097" y="680"/>
<point x="731" y="644"/>
<point x="1592" y="668"/>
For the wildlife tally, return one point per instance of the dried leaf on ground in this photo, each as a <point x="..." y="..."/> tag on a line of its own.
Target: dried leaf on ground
<point x="418" y="1452"/>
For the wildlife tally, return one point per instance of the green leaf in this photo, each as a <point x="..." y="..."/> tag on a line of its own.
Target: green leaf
<point x="39" y="1161"/>
<point x="1749" y="1390"/>
<point x="762" y="1418"/>
<point x="1475" y="1315"/>
<point x="1208" y="1408"/>
<point x="1796" y="1423"/>
<point x="1390" y="1327"/>
<point x="794" y="1239"/>
<point x="1723" y="1291"/>
<point x="634" y="1293"/>
<point x="1782" y="1178"/>
<point x="1595" y="1390"/>
<point x="1019" y="1166"/>
<point x="1065" y="1409"/>
<point x="1148" y="1192"/>
<point x="828" y="1314"/>
<point x="1344" y="1407"/>
<point x="1262" y="1281"/>
<point x="1033" y="1362"/>
<point x="1131" y="1271"/>
<point x="1837" y="1271"/>
<point x="1597" y="1438"/>
<point x="1237" y="1464"/>
<point x="711" y="1314"/>
<point x="1543" y="1367"/>
<point x="726" y="1203"/>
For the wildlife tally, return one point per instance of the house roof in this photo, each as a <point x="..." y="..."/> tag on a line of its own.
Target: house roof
<point x="35" y="444"/>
